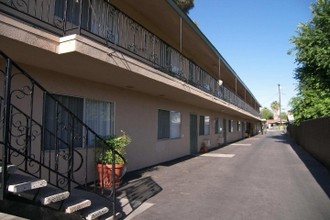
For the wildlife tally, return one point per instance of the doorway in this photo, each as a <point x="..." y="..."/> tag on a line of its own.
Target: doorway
<point x="193" y="134"/>
<point x="224" y="131"/>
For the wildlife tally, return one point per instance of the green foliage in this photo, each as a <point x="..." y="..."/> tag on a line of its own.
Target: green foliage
<point x="275" y="106"/>
<point x="185" y="5"/>
<point x="266" y="113"/>
<point x="312" y="51"/>
<point x="118" y="143"/>
<point x="310" y="104"/>
<point x="283" y="116"/>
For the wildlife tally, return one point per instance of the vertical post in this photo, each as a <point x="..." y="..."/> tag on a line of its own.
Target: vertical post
<point x="6" y="126"/>
<point x="279" y="102"/>
<point x="180" y="34"/>
<point x="80" y="16"/>
<point x="113" y="183"/>
<point x="65" y="17"/>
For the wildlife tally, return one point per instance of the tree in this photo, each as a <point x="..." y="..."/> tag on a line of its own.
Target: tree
<point x="275" y="106"/>
<point x="312" y="51"/>
<point x="185" y="5"/>
<point x="266" y="113"/>
<point x="283" y="116"/>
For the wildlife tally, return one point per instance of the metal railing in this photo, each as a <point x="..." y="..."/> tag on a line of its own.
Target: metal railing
<point x="65" y="154"/>
<point x="99" y="20"/>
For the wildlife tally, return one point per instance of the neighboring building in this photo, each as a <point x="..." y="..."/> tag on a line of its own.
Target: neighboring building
<point x="143" y="67"/>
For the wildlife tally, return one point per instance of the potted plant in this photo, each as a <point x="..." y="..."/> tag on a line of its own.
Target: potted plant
<point x="105" y="157"/>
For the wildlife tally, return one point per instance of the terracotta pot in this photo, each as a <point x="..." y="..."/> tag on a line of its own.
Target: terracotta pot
<point x="105" y="175"/>
<point x="203" y="149"/>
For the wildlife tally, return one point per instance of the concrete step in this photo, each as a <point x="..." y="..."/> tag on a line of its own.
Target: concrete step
<point x="95" y="213"/>
<point x="48" y="195"/>
<point x="20" y="183"/>
<point x="118" y="216"/>
<point x="90" y="205"/>
<point x="100" y="207"/>
<point x="77" y="205"/>
<point x="11" y="168"/>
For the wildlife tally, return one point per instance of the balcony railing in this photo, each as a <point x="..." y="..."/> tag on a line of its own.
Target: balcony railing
<point x="103" y="22"/>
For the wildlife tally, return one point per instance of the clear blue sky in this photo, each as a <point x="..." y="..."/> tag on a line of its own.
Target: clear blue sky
<point x="253" y="37"/>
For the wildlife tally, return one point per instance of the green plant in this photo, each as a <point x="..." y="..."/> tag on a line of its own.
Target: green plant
<point x="119" y="143"/>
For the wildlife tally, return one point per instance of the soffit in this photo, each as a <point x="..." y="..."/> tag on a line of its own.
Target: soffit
<point x="160" y="18"/>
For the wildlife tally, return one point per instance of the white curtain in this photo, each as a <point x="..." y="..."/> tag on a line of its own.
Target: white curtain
<point x="99" y="117"/>
<point x="207" y="125"/>
<point x="175" y="125"/>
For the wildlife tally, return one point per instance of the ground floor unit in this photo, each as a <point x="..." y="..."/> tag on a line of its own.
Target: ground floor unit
<point x="161" y="129"/>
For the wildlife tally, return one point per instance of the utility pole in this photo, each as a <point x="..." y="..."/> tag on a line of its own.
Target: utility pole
<point x="279" y="102"/>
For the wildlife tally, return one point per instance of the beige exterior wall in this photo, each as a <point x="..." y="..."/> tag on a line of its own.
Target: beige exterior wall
<point x="137" y="114"/>
<point x="77" y="66"/>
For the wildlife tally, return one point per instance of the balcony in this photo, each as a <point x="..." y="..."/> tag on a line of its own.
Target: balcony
<point x="104" y="23"/>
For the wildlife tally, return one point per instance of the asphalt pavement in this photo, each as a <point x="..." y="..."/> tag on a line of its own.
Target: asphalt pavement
<point x="263" y="177"/>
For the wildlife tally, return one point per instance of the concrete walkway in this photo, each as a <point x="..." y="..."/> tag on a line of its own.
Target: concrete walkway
<point x="263" y="177"/>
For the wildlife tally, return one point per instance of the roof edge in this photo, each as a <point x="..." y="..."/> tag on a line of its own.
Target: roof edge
<point x="207" y="41"/>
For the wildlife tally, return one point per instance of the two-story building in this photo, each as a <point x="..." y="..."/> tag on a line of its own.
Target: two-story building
<point x="74" y="71"/>
<point x="144" y="68"/>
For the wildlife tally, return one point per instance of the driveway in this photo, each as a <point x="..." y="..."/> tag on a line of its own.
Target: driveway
<point x="263" y="177"/>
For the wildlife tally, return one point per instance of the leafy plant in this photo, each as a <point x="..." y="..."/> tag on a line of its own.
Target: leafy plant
<point x="312" y="51"/>
<point x="119" y="143"/>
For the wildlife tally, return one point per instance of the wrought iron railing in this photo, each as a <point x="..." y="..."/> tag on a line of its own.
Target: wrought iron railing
<point x="100" y="20"/>
<point x="65" y="153"/>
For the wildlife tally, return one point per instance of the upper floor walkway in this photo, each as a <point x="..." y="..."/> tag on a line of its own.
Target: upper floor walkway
<point x="107" y="25"/>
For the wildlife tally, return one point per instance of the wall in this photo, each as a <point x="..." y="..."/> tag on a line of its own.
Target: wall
<point x="137" y="114"/>
<point x="314" y="136"/>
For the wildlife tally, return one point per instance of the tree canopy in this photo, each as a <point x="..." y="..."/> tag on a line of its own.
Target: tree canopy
<point x="275" y="106"/>
<point x="312" y="51"/>
<point x="266" y="113"/>
<point x="185" y="5"/>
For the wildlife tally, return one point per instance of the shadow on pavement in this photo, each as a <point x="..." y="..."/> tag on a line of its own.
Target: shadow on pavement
<point x="320" y="173"/>
<point x="136" y="192"/>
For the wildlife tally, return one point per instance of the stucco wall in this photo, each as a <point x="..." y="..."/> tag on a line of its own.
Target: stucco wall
<point x="137" y="114"/>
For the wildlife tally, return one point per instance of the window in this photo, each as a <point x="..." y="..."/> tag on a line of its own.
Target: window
<point x="238" y="126"/>
<point x="59" y="123"/>
<point x="231" y="125"/>
<point x="169" y="124"/>
<point x="99" y="116"/>
<point x="204" y="125"/>
<point x="218" y="125"/>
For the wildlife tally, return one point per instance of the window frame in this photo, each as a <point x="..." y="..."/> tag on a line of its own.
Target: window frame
<point x="238" y="125"/>
<point x="218" y="127"/>
<point x="166" y="133"/>
<point x="230" y="125"/>
<point x="82" y="117"/>
<point x="204" y="125"/>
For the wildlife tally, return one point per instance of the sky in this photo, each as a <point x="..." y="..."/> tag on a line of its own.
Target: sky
<point x="254" y="38"/>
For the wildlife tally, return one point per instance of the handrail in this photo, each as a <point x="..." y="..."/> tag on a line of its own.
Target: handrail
<point x="105" y="23"/>
<point x="25" y="135"/>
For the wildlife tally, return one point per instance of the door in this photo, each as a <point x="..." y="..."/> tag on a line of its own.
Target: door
<point x="243" y="129"/>
<point x="224" y="131"/>
<point x="193" y="134"/>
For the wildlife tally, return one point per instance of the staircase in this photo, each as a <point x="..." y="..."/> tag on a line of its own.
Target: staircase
<point x="56" y="178"/>
<point x="88" y="205"/>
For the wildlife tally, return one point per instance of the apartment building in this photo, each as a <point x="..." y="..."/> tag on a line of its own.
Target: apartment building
<point x="144" y="68"/>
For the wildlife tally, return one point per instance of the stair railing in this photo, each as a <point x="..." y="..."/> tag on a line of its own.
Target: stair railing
<point x="63" y="152"/>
